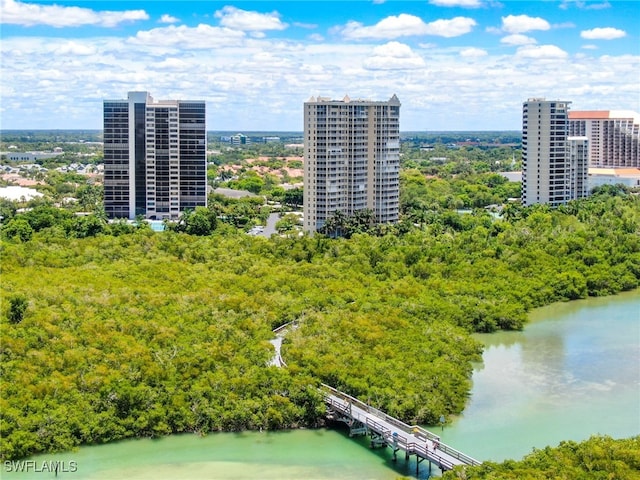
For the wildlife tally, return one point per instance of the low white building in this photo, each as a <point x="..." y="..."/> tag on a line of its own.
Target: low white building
<point x="31" y="156"/>
<point x="15" y="193"/>
<point x="629" y="177"/>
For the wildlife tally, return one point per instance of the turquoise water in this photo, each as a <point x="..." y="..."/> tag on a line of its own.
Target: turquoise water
<point x="301" y="454"/>
<point x="574" y="372"/>
<point x="156" y="225"/>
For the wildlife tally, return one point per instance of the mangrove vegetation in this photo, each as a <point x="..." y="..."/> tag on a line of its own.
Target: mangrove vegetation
<point x="111" y="332"/>
<point x="598" y="458"/>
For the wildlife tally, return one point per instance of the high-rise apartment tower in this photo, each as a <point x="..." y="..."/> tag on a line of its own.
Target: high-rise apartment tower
<point x="351" y="159"/>
<point x="155" y="157"/>
<point x="554" y="165"/>
<point x="614" y="136"/>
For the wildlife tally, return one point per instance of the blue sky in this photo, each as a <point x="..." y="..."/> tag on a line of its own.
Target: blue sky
<point x="454" y="64"/>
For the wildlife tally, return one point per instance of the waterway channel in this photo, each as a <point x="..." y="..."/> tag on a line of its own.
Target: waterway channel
<point x="573" y="372"/>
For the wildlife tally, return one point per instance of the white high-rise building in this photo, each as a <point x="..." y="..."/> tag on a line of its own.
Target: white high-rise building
<point x="155" y="157"/>
<point x="614" y="136"/>
<point x="554" y="166"/>
<point x="351" y="159"/>
<point x="579" y="161"/>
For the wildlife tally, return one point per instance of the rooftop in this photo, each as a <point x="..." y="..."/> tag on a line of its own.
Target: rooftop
<point x="603" y="115"/>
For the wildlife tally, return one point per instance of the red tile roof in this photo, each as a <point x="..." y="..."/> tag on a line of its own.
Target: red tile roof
<point x="588" y="114"/>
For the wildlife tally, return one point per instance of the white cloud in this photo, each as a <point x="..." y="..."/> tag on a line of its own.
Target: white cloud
<point x="473" y="52"/>
<point x="405" y="25"/>
<point x="451" y="28"/>
<point x="29" y="14"/>
<point x="390" y="27"/>
<point x="517" y="39"/>
<point x="584" y="5"/>
<point x="596" y="6"/>
<point x="457" y="3"/>
<point x="168" y="19"/>
<point x="590" y="47"/>
<point x="542" y="52"/>
<point x="267" y="62"/>
<point x="309" y="26"/>
<point x="172" y="64"/>
<point x="74" y="48"/>
<point x="523" y="23"/>
<point x="393" y="56"/>
<point x="260" y="83"/>
<point x="244" y="20"/>
<point x="316" y="37"/>
<point x="606" y="33"/>
<point x="313" y="69"/>
<point x="201" y="37"/>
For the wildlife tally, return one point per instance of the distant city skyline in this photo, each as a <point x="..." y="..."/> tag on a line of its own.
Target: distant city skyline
<point x="457" y="65"/>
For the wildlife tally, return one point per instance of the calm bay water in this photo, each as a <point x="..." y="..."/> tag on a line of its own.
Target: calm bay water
<point x="574" y="372"/>
<point x="300" y="454"/>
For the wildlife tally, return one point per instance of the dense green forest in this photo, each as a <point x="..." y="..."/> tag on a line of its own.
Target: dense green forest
<point x="599" y="457"/>
<point x="120" y="332"/>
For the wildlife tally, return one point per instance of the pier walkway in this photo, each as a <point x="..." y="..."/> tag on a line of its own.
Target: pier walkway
<point x="385" y="430"/>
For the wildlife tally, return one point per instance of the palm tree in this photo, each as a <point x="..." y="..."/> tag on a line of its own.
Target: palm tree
<point x="335" y="225"/>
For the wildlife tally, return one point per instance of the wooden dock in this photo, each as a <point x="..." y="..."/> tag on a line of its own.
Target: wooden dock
<point x="386" y="431"/>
